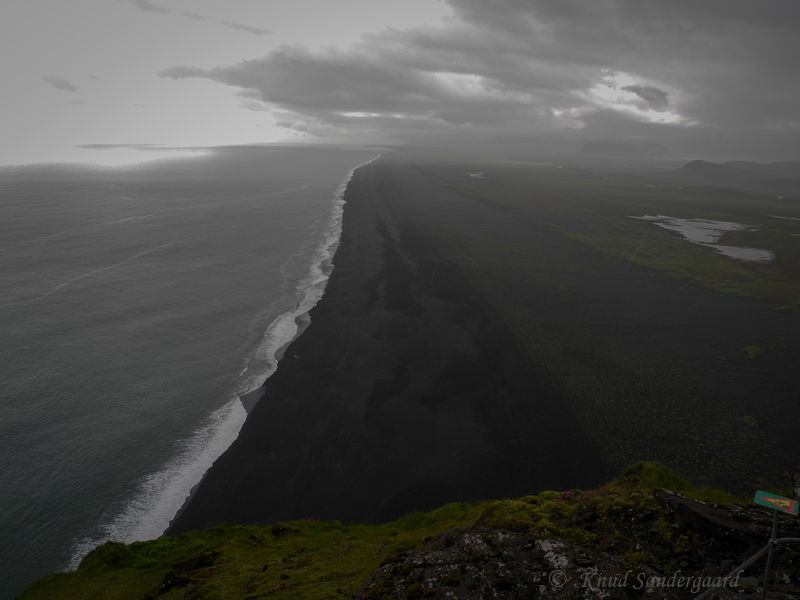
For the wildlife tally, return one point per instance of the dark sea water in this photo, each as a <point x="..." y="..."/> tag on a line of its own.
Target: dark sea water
<point x="136" y="305"/>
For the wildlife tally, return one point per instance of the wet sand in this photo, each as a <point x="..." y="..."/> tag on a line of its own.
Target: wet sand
<point x="450" y="357"/>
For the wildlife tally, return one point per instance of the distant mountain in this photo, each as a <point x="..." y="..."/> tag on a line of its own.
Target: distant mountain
<point x="779" y="177"/>
<point x="705" y="169"/>
<point x="787" y="168"/>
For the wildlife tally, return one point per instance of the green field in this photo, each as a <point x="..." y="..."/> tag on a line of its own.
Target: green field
<point x="661" y="348"/>
<point x="595" y="210"/>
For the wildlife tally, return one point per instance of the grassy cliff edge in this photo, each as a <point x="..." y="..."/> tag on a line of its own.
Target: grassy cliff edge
<point x="647" y="521"/>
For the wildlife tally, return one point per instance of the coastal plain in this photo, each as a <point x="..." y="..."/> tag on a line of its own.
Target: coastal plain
<point x="492" y="329"/>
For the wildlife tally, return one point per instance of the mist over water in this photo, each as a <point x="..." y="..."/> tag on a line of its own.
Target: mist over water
<point x="136" y="307"/>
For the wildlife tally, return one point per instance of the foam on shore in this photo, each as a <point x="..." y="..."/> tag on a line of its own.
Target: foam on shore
<point x="161" y="495"/>
<point x="309" y="290"/>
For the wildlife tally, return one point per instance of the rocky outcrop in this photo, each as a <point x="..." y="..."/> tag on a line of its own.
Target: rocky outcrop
<point x="680" y="549"/>
<point x="488" y="563"/>
<point x="630" y="538"/>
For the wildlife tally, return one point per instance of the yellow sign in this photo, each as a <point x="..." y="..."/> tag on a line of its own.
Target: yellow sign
<point x="787" y="505"/>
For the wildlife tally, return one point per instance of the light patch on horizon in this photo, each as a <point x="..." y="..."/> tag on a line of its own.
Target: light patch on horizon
<point x="358" y="114"/>
<point x="572" y="117"/>
<point x="118" y="155"/>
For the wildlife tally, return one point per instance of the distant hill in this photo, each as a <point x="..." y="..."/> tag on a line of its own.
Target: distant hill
<point x="782" y="178"/>
<point x="705" y="169"/>
<point x="789" y="169"/>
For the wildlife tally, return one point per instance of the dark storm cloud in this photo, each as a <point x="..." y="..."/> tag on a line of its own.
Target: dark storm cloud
<point x="60" y="83"/>
<point x="367" y="91"/>
<point x="653" y="97"/>
<point x="688" y="72"/>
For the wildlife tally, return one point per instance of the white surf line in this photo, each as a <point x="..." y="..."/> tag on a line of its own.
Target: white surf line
<point x="161" y="494"/>
<point x="785" y="218"/>
<point x="309" y="290"/>
<point x="61" y="286"/>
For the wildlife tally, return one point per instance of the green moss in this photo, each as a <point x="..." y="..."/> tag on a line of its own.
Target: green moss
<point x="693" y="262"/>
<point x="112" y="555"/>
<point x="715" y="496"/>
<point x="749" y="421"/>
<point x="787" y="308"/>
<point x="312" y="559"/>
<point x="754" y="351"/>
<point x="654" y="475"/>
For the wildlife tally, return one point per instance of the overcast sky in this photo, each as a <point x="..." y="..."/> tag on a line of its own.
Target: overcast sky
<point x="705" y="78"/>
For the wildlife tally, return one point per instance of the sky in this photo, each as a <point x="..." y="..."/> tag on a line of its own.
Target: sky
<point x="112" y="81"/>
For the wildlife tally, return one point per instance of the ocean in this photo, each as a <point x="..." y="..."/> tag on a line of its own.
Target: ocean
<point x="137" y="304"/>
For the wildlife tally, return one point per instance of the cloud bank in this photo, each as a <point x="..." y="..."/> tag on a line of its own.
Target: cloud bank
<point x="717" y="77"/>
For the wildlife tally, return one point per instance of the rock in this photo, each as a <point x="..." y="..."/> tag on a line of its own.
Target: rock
<point x="678" y="550"/>
<point x="489" y="563"/>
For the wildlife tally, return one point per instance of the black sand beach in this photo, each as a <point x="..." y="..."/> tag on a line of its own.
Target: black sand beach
<point x="467" y="350"/>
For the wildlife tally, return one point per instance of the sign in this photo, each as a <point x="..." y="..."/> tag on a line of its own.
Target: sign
<point x="787" y="505"/>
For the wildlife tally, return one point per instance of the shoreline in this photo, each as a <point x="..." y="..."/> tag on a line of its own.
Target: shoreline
<point x="164" y="493"/>
<point x="310" y="290"/>
<point x="152" y="345"/>
<point x="312" y="287"/>
<point x="467" y="349"/>
<point x="385" y="404"/>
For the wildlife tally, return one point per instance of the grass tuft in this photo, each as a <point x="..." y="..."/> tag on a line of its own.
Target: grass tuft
<point x="314" y="559"/>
